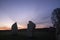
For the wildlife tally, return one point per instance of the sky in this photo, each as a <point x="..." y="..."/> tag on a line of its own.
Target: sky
<point x="22" y="11"/>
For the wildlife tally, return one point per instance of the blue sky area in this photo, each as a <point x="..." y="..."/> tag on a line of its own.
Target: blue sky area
<point x="21" y="11"/>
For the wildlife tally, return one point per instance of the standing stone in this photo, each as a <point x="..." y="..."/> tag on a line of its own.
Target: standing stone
<point x="14" y="29"/>
<point x="31" y="28"/>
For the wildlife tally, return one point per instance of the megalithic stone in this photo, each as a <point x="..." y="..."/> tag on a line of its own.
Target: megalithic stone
<point x="14" y="29"/>
<point x="31" y="28"/>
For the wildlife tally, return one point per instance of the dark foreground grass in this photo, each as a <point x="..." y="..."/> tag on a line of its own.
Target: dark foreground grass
<point x="44" y="34"/>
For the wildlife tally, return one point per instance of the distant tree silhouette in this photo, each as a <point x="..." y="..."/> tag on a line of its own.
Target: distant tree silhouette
<point x="56" y="19"/>
<point x="14" y="29"/>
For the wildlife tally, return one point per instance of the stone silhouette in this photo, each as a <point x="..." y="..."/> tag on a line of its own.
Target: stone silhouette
<point x="14" y="29"/>
<point x="31" y="28"/>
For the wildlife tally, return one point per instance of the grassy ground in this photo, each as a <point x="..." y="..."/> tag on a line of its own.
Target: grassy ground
<point x="43" y="34"/>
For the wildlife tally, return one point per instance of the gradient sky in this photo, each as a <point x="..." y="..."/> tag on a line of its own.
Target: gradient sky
<point x="21" y="11"/>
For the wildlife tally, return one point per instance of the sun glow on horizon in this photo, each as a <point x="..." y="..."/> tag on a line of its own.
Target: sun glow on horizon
<point x="23" y="27"/>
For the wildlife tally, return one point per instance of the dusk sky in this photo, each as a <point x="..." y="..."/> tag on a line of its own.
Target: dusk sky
<point x="22" y="11"/>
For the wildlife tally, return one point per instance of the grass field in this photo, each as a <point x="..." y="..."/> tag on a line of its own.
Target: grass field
<point x="38" y="34"/>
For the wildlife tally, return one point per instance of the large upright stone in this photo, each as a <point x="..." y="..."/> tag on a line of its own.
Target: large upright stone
<point x="31" y="28"/>
<point x="14" y="29"/>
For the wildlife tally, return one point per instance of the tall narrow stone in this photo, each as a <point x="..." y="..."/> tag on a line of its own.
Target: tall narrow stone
<point x="14" y="29"/>
<point x="31" y="28"/>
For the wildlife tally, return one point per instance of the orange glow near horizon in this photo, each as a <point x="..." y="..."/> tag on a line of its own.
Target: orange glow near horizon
<point x="23" y="27"/>
<point x="4" y="28"/>
<point x="7" y="28"/>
